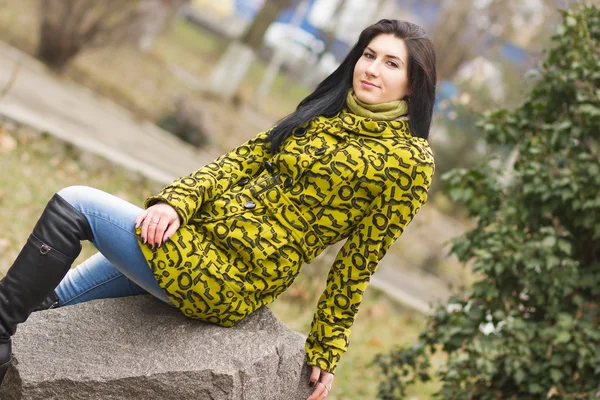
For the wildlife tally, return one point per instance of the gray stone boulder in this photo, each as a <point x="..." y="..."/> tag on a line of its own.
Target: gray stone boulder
<point x="140" y="348"/>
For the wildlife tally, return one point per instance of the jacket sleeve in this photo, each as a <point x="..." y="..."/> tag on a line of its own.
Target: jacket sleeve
<point x="187" y="193"/>
<point x="383" y="222"/>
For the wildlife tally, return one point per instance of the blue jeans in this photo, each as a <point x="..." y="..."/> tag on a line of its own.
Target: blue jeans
<point x="119" y="269"/>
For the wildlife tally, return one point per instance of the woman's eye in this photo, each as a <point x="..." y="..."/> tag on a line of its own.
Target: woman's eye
<point x="393" y="64"/>
<point x="369" y="55"/>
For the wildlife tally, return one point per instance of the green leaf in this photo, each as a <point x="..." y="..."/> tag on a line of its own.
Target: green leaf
<point x="549" y="241"/>
<point x="519" y="376"/>
<point x="556" y="375"/>
<point x="562" y="337"/>
<point x="564" y="246"/>
<point x="535" y="388"/>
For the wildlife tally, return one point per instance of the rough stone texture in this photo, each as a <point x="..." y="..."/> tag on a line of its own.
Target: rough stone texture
<point x="139" y="348"/>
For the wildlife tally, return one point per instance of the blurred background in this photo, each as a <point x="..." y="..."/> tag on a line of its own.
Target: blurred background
<point x="84" y="85"/>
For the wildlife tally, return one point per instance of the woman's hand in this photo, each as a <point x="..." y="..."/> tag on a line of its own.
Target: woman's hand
<point x="159" y="222"/>
<point x="322" y="381"/>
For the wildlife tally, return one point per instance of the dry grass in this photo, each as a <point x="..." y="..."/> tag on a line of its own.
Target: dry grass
<point x="40" y="166"/>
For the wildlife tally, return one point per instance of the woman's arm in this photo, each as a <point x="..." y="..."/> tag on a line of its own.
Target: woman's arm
<point x="384" y="221"/>
<point x="188" y="193"/>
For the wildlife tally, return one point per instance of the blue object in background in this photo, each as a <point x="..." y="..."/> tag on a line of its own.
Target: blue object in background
<point x="513" y="53"/>
<point x="428" y="12"/>
<point x="445" y="90"/>
<point x="287" y="15"/>
<point x="247" y="9"/>
<point x="339" y="49"/>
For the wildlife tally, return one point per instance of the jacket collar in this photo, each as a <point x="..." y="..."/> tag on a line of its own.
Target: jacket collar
<point x="345" y="122"/>
<point x="389" y="111"/>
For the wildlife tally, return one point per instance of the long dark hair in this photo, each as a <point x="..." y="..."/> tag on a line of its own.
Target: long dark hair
<point x="330" y="95"/>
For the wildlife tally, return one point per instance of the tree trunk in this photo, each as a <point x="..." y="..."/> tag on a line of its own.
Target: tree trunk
<point x="457" y="40"/>
<point x="235" y="63"/>
<point x="329" y="35"/>
<point x="231" y="70"/>
<point x="53" y="49"/>
<point x="253" y="37"/>
<point x="279" y="57"/>
<point x="157" y="17"/>
<point x="68" y="27"/>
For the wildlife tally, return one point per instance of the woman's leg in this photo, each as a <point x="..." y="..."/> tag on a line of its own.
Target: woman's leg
<point x="42" y="263"/>
<point x="121" y="268"/>
<point x="55" y="242"/>
<point x="95" y="278"/>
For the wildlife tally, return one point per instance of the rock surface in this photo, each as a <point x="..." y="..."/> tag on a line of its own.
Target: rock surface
<point x="139" y="348"/>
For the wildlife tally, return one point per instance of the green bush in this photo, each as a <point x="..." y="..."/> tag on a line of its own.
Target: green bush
<point x="528" y="328"/>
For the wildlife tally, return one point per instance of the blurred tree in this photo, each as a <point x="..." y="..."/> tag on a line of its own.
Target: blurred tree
<point x="464" y="28"/>
<point x="281" y="54"/>
<point x="253" y="36"/>
<point x="469" y="37"/>
<point x="328" y="31"/>
<point x="67" y="27"/>
<point x="235" y="63"/>
<point x="529" y="327"/>
<point x="310" y="74"/>
<point x="156" y="16"/>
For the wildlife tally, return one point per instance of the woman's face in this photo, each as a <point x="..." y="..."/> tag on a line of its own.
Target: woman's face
<point x="381" y="73"/>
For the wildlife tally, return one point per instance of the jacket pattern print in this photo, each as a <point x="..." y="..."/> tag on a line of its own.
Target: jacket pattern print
<point x="250" y="219"/>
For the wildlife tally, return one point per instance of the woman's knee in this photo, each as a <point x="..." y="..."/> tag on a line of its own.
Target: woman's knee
<point x="77" y="194"/>
<point x="92" y="201"/>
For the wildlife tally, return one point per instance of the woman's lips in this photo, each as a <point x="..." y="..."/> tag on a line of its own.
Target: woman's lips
<point x="368" y="84"/>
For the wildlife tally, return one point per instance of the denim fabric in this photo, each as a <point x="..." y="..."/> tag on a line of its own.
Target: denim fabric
<point x="119" y="269"/>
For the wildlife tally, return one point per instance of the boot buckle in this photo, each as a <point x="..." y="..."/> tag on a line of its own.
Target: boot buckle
<point x="45" y="249"/>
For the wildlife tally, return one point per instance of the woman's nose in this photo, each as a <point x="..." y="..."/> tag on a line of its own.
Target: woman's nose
<point x="373" y="69"/>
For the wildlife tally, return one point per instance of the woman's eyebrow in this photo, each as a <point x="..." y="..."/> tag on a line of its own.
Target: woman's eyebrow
<point x="387" y="55"/>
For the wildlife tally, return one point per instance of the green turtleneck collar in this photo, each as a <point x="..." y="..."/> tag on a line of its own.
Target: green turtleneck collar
<point x="390" y="111"/>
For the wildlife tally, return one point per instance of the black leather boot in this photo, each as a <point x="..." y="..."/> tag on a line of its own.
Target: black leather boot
<point x="50" y="302"/>
<point x="40" y="266"/>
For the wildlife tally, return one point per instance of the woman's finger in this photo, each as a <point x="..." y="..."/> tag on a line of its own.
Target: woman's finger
<point x="171" y="230"/>
<point x="319" y="393"/>
<point x="326" y="381"/>
<point x="327" y="378"/>
<point x="325" y="391"/>
<point x="161" y="227"/>
<point x="145" y="224"/>
<point x="140" y="218"/>
<point x="314" y="376"/>
<point x="151" y="223"/>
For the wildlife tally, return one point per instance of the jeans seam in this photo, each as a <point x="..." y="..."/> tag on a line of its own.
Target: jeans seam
<point x="92" y="288"/>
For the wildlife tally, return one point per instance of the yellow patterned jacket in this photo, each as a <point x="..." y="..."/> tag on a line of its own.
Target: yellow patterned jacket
<point x="251" y="219"/>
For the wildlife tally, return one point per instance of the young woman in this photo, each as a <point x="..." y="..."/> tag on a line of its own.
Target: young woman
<point x="352" y="162"/>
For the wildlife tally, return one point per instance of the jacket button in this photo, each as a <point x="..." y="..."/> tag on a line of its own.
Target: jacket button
<point x="249" y="205"/>
<point x="299" y="132"/>
<point x="288" y="183"/>
<point x="269" y="166"/>
<point x="320" y="152"/>
<point x="243" y="181"/>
